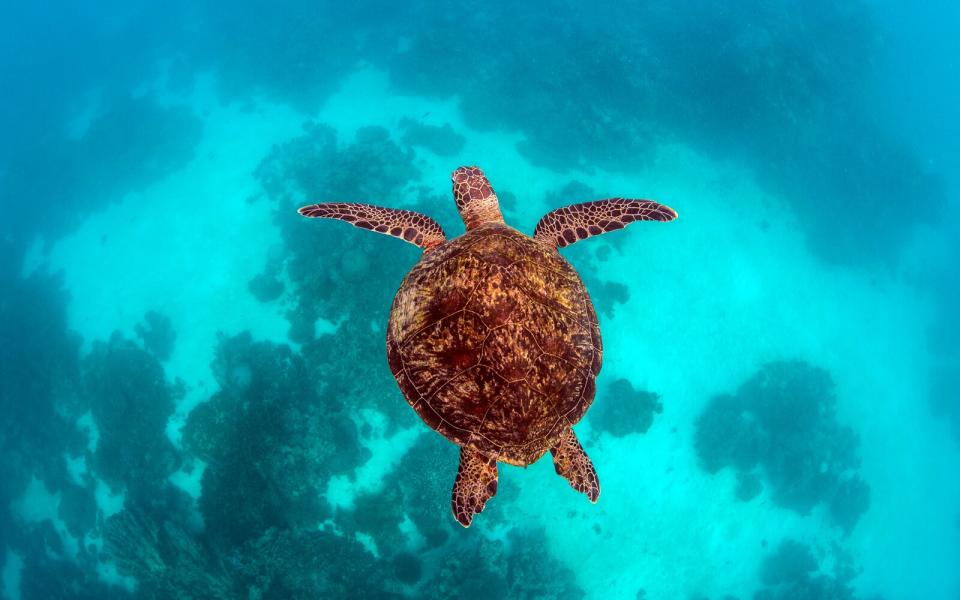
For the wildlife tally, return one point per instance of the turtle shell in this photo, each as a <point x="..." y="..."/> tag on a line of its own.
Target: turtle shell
<point x="495" y="343"/>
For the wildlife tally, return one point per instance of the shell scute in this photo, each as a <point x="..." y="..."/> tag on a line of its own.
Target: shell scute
<point x="558" y="333"/>
<point x="498" y="249"/>
<point x="550" y="287"/>
<point x="437" y="353"/>
<point x="466" y="391"/>
<point x="510" y="350"/>
<point x="495" y="299"/>
<point x="421" y="301"/>
<point x="510" y="417"/>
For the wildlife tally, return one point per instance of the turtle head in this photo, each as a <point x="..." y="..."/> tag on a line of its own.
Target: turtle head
<point x="475" y="198"/>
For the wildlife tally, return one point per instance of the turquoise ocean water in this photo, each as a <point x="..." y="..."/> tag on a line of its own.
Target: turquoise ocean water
<point x="195" y="400"/>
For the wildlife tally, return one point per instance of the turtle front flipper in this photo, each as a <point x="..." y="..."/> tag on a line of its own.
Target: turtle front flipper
<point x="576" y="222"/>
<point x="571" y="462"/>
<point x="475" y="484"/>
<point x="418" y="229"/>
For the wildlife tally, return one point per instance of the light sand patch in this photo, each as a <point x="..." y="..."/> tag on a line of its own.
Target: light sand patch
<point x="186" y="247"/>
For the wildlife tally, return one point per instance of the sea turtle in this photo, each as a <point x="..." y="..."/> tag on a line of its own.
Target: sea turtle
<point x="492" y="336"/>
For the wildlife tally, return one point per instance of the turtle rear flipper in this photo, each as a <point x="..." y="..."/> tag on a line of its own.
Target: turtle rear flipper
<point x="570" y="224"/>
<point x="571" y="462"/>
<point x="475" y="484"/>
<point x="418" y="229"/>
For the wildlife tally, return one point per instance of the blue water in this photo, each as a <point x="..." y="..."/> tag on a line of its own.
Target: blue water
<point x="194" y="396"/>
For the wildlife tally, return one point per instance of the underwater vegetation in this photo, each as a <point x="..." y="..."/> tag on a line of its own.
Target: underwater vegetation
<point x="780" y="429"/>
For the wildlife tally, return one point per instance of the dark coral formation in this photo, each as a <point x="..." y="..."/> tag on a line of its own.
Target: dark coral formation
<point x="39" y="376"/>
<point x="168" y="561"/>
<point x="439" y="139"/>
<point x="270" y="441"/>
<point x="312" y="564"/>
<point x="516" y="568"/>
<point x="749" y="88"/>
<point x="157" y="334"/>
<point x="136" y="142"/>
<point x="945" y="393"/>
<point x="266" y="286"/>
<point x="131" y="144"/>
<point x="793" y="572"/>
<point x="944" y="341"/>
<point x="165" y="559"/>
<point x="248" y="47"/>
<point x="75" y="137"/>
<point x="419" y="488"/>
<point x="40" y="398"/>
<point x="781" y="427"/>
<point x="317" y="166"/>
<point x="122" y="380"/>
<point x="622" y="409"/>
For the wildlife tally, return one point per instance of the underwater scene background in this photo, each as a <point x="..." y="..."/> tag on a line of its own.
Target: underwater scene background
<point x="194" y="395"/>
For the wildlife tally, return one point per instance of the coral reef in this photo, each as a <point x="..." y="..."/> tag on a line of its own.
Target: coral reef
<point x="53" y="93"/>
<point x="265" y="286"/>
<point x="46" y="578"/>
<point x="310" y="564"/>
<point x="758" y="91"/>
<point x="944" y="341"/>
<point x="623" y="409"/>
<point x="132" y="143"/>
<point x="793" y="572"/>
<point x="270" y="441"/>
<point x="331" y="263"/>
<point x="312" y="168"/>
<point x="157" y="334"/>
<point x="295" y="55"/>
<point x="442" y="140"/>
<point x="39" y="375"/>
<point x="136" y="142"/>
<point x="781" y="426"/>
<point x="165" y="560"/>
<point x="515" y="568"/>
<point x="121" y="380"/>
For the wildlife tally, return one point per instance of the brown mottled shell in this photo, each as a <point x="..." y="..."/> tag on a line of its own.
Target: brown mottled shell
<point x="495" y="343"/>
